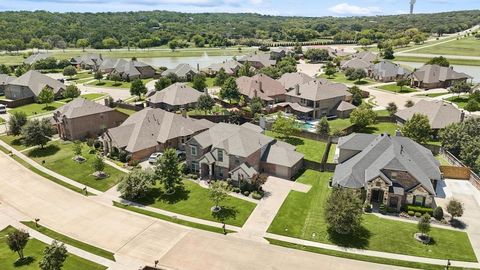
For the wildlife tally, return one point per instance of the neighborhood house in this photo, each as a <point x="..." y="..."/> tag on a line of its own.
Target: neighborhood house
<point x="30" y="84"/>
<point x="262" y="86"/>
<point x="184" y="72"/>
<point x="386" y="71"/>
<point x="231" y="68"/>
<point x="127" y="70"/>
<point x="174" y="97"/>
<point x="435" y="76"/>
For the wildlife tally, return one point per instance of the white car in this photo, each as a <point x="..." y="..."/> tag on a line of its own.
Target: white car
<point x="3" y="108"/>
<point x="154" y="157"/>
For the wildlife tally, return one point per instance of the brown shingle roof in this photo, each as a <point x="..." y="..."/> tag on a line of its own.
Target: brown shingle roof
<point x="260" y="85"/>
<point x="320" y="90"/>
<point x="436" y="73"/>
<point x="177" y="94"/>
<point x="289" y="80"/>
<point x="81" y="107"/>
<point x="440" y="114"/>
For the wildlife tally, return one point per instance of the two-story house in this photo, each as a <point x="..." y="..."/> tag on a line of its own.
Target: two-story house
<point x="262" y="86"/>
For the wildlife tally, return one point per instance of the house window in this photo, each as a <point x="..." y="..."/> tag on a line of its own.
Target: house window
<point x="220" y="173"/>
<point x="220" y="156"/>
<point x="237" y="161"/>
<point x="195" y="166"/>
<point x="419" y="200"/>
<point x="193" y="150"/>
<point x="393" y="175"/>
<point x="303" y="101"/>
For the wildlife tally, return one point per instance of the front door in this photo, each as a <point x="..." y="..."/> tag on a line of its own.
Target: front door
<point x="377" y="196"/>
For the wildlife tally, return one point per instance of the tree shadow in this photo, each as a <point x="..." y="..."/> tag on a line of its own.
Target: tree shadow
<point x="368" y="130"/>
<point x="100" y="83"/>
<point x="458" y="224"/>
<point x="225" y="213"/>
<point x="293" y="140"/>
<point x="157" y="194"/>
<point x="358" y="239"/>
<point x="44" y="152"/>
<point x="48" y="108"/>
<point x="117" y="84"/>
<point x="362" y="82"/>
<point x="25" y="261"/>
<point x="17" y="142"/>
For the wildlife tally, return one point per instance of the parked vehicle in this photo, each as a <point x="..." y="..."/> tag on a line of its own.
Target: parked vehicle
<point x="154" y="157"/>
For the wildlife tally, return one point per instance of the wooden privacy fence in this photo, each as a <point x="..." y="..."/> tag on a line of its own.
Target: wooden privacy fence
<point x="455" y="172"/>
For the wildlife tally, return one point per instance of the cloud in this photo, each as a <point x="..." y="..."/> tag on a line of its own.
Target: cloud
<point x="347" y="9"/>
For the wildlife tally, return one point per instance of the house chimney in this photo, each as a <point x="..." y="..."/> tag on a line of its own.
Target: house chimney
<point x="255" y="93"/>
<point x="462" y="116"/>
<point x="297" y="89"/>
<point x="260" y="86"/>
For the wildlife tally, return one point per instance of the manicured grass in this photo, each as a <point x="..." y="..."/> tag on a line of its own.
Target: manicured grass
<point x="302" y="216"/>
<point x="340" y="77"/>
<point x="312" y="149"/>
<point x="81" y="75"/>
<point x="170" y="219"/>
<point x="193" y="201"/>
<point x="91" y="96"/>
<point x="469" y="46"/>
<point x="34" y="252"/>
<point x="443" y="160"/>
<point x="359" y="257"/>
<point x="396" y="89"/>
<point x="331" y="153"/>
<point x="382" y="113"/>
<point x="339" y="124"/>
<point x="380" y="127"/>
<point x="460" y="101"/>
<point x="70" y="241"/>
<point x="49" y="177"/>
<point x="119" y="84"/>
<point x="209" y="80"/>
<point x="35" y="108"/>
<point x="125" y="111"/>
<point x="57" y="156"/>
<point x="464" y="62"/>
<point x="432" y="95"/>
<point x="14" y="141"/>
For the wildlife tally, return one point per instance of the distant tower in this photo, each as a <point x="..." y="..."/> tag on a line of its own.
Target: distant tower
<point x="412" y="4"/>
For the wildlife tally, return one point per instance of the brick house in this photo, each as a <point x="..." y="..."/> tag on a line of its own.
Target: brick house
<point x="174" y="97"/>
<point x="435" y="76"/>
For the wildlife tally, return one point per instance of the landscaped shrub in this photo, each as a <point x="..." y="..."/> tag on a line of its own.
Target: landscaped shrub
<point x="114" y="153"/>
<point x="246" y="193"/>
<point x="382" y="209"/>
<point x="122" y="156"/>
<point x="421" y="209"/>
<point x="411" y="213"/>
<point x="90" y="142"/>
<point x="438" y="213"/>
<point x="97" y="144"/>
<point x="236" y="190"/>
<point x="256" y="195"/>
<point x="418" y="214"/>
<point x="128" y="158"/>
<point x="133" y="163"/>
<point x="367" y="207"/>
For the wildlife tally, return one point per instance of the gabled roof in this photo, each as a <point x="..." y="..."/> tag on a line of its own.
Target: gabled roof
<point x="36" y="57"/>
<point x="383" y="152"/>
<point x="230" y="67"/>
<point x="81" y="107"/>
<point x="345" y="106"/>
<point x="440" y="114"/>
<point x="289" y="80"/>
<point x="253" y="127"/>
<point x="282" y="154"/>
<point x="5" y="79"/>
<point x="149" y="127"/>
<point x="388" y="69"/>
<point x="356" y="63"/>
<point x="436" y="73"/>
<point x="261" y="86"/>
<point x="294" y="106"/>
<point x="320" y="90"/>
<point x="36" y="81"/>
<point x="87" y="59"/>
<point x="366" y="56"/>
<point x="247" y="169"/>
<point x="177" y="94"/>
<point x="264" y="59"/>
<point x="181" y="70"/>
<point x="124" y="67"/>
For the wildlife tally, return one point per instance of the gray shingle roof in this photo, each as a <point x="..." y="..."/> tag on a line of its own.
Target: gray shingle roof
<point x="35" y="57"/>
<point x="247" y="169"/>
<point x="177" y="94"/>
<point x="382" y="152"/>
<point x="282" y="154"/>
<point x="264" y="59"/>
<point x="181" y="70"/>
<point x="289" y="80"/>
<point x="261" y="86"/>
<point x="440" y="114"/>
<point x="388" y="69"/>
<point x="36" y="81"/>
<point x="320" y="90"/>
<point x="230" y="67"/>
<point x="345" y="106"/>
<point x="5" y="79"/>
<point x="81" y="107"/>
<point x="436" y="73"/>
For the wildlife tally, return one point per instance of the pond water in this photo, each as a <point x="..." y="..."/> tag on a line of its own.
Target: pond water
<point x="171" y="62"/>
<point x="473" y="71"/>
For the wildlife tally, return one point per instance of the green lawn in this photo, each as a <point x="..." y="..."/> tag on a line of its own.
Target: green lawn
<point x="382" y="113"/>
<point x="312" y="149"/>
<point x="35" y="108"/>
<point x="170" y="219"/>
<point x="469" y="46"/>
<point x="81" y="75"/>
<point x="302" y="216"/>
<point x="380" y="127"/>
<point x="34" y="252"/>
<point x="432" y="95"/>
<point x="57" y="156"/>
<point x="209" y="80"/>
<point x="193" y="201"/>
<point x="464" y="62"/>
<point x="70" y="241"/>
<point x="91" y="96"/>
<point x="119" y="84"/>
<point x="443" y="160"/>
<point x="339" y="77"/>
<point x="331" y="153"/>
<point x="125" y="111"/>
<point x="460" y="101"/>
<point x="396" y="89"/>
<point x="339" y="124"/>
<point x="13" y="141"/>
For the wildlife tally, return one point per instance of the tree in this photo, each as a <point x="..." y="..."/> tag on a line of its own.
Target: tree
<point x="221" y="77"/>
<point x="229" y="90"/>
<point x="205" y="103"/>
<point x="77" y="148"/>
<point x="317" y="55"/>
<point x="364" y="42"/>
<point x="323" y="128"/>
<point x="440" y="60"/>
<point x="173" y="44"/>
<point x="438" y="213"/>
<point x="392" y="108"/>
<point x="349" y="72"/>
<point x="217" y="193"/>
<point x="46" y="96"/>
<point x="69" y="71"/>
<point x="162" y="83"/>
<point x="168" y="171"/>
<point x="358" y="75"/>
<point x="363" y="116"/>
<point x="136" y="184"/>
<point x="35" y="43"/>
<point x="460" y="87"/>
<point x="356" y="95"/>
<point x="199" y="82"/>
<point x="54" y="256"/>
<point x="286" y="126"/>
<point x="16" y="122"/>
<point x="137" y="88"/>
<point x="82" y="43"/>
<point x="409" y="104"/>
<point x="17" y="240"/>
<point x="388" y="53"/>
<point x="115" y="77"/>
<point x="424" y="224"/>
<point x="71" y="92"/>
<point x="343" y="210"/>
<point x="258" y="180"/>
<point x="198" y="40"/>
<point x="455" y="208"/>
<point x="256" y="105"/>
<point x="330" y="71"/>
<point x="98" y="75"/>
<point x="110" y="43"/>
<point x="401" y="83"/>
<point x="472" y="105"/>
<point x="246" y="70"/>
<point x="98" y="164"/>
<point x="417" y="128"/>
<point x="37" y="132"/>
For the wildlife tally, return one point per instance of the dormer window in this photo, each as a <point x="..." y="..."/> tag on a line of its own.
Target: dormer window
<point x="220" y="155"/>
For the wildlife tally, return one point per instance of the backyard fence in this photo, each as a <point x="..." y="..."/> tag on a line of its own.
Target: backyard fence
<point x="474" y="178"/>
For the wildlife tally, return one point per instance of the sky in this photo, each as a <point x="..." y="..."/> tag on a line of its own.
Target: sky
<point x="314" y="8"/>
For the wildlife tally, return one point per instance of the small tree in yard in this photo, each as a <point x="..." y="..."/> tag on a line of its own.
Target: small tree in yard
<point x="417" y="128"/>
<point x="256" y="105"/>
<point x="409" y="104"/>
<point x="358" y="75"/>
<point x="258" y="180"/>
<point x="54" y="256"/>
<point x="229" y="90"/>
<point x="401" y="83"/>
<point x="71" y="92"/>
<point x="37" y="132"/>
<point x="455" y="208"/>
<point x="98" y="164"/>
<point x="286" y="126"/>
<point x="17" y="240"/>
<point x="343" y="211"/>
<point x="356" y="95"/>
<point x="199" y="82"/>
<point x="363" y="116"/>
<point x="392" y="108"/>
<point x="115" y="78"/>
<point x="323" y="128"/>
<point x="221" y="77"/>
<point x="138" y="88"/>
<point x="424" y="225"/>
<point x="205" y="103"/>
<point x="77" y="148"/>
<point x="168" y="171"/>
<point x="136" y="184"/>
<point x="69" y="71"/>
<point x="16" y="122"/>
<point x="460" y="87"/>
<point x="330" y="71"/>
<point x="46" y="96"/>
<point x="162" y="83"/>
<point x="438" y="213"/>
<point x="98" y="76"/>
<point x="218" y="192"/>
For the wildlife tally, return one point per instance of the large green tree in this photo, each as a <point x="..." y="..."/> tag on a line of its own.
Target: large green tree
<point x="137" y="88"/>
<point x="205" y="103"/>
<point x="37" y="132"/>
<point x="343" y="210"/>
<point x="162" y="83"/>
<point x="363" y="116"/>
<point x="229" y="90"/>
<point x="110" y="43"/>
<point x="136" y="184"/>
<point x="46" y="96"/>
<point x="285" y="126"/>
<point x="220" y="77"/>
<point x="54" y="256"/>
<point x="417" y="128"/>
<point x="199" y="82"/>
<point x="17" y="241"/>
<point x="16" y="121"/>
<point x="440" y="60"/>
<point x="71" y="92"/>
<point x="168" y="171"/>
<point x="83" y="43"/>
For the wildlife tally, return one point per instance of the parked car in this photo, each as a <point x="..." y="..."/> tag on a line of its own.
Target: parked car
<point x="154" y="157"/>
<point x="3" y="108"/>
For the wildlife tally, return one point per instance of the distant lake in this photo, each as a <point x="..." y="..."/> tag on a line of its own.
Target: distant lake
<point x="473" y="71"/>
<point x="171" y="62"/>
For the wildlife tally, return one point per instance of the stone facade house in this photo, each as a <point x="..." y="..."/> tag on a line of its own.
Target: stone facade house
<point x="386" y="71"/>
<point x="87" y="61"/>
<point x="435" y="76"/>
<point x="127" y="69"/>
<point x="82" y="118"/>
<point x="262" y="86"/>
<point x="174" y="97"/>
<point x="237" y="152"/>
<point x="289" y="80"/>
<point x="152" y="130"/>
<point x="393" y="171"/>
<point x="30" y="84"/>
